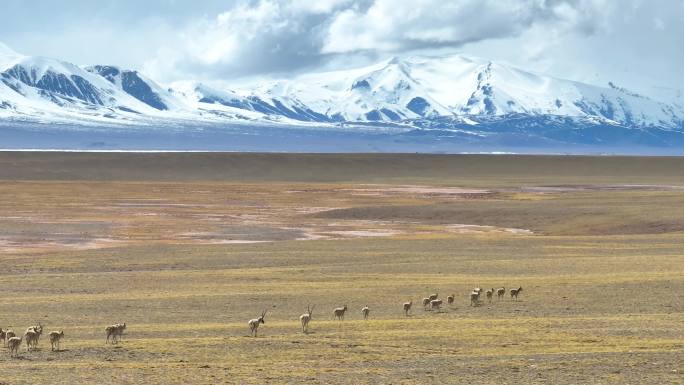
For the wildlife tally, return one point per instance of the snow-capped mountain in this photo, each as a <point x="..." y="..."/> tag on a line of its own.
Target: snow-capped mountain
<point x="46" y="89"/>
<point x="476" y="98"/>
<point x="425" y="87"/>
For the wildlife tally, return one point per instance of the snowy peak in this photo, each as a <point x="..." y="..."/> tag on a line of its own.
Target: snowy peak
<point x="449" y="92"/>
<point x="57" y="81"/>
<point x="391" y="94"/>
<point x="136" y="85"/>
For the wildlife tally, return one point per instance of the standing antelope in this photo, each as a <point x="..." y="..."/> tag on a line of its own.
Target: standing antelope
<point x="120" y="330"/>
<point x="2" y="335"/>
<point x="515" y="292"/>
<point x="407" y="307"/>
<point x="489" y="294"/>
<point x="115" y="332"/>
<point x="254" y="323"/>
<point x="426" y="303"/>
<point x="339" y="312"/>
<point x="110" y="331"/>
<point x="451" y="299"/>
<point x="55" y="338"/>
<point x="31" y="337"/>
<point x="500" y="292"/>
<point x="365" y="311"/>
<point x="9" y="334"/>
<point x="435" y="304"/>
<point x="474" y="298"/>
<point x="13" y="343"/>
<point x="305" y="318"/>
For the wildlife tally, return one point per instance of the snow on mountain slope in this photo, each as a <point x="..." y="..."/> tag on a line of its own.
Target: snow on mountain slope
<point x="68" y="86"/>
<point x="380" y="92"/>
<point x="471" y="96"/>
<point x="419" y="87"/>
<point x="284" y="106"/>
<point x="43" y="90"/>
<point x="139" y="87"/>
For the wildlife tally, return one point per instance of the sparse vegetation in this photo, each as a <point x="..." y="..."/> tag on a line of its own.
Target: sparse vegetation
<point x="601" y="269"/>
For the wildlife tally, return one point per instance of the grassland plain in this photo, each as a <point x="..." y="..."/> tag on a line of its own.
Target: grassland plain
<point x="185" y="248"/>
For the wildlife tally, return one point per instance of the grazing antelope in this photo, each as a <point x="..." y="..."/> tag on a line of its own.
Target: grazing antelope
<point x="305" y="318"/>
<point x="426" y="303"/>
<point x="339" y="312"/>
<point x="365" y="311"/>
<point x="13" y="343"/>
<point x="407" y="307"/>
<point x="474" y="298"/>
<point x="254" y="323"/>
<point x="55" y="338"/>
<point x="433" y="296"/>
<point x="500" y="292"/>
<point x="435" y="304"/>
<point x="489" y="294"/>
<point x="515" y="292"/>
<point x="451" y="299"/>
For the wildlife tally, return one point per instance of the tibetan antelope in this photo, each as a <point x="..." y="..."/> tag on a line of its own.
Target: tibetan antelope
<point x="110" y="331"/>
<point x="365" y="311"/>
<point x="515" y="292"/>
<point x="13" y="343"/>
<point x="489" y="294"/>
<point x="2" y="336"/>
<point x="426" y="303"/>
<point x="9" y="334"/>
<point x="115" y="332"/>
<point x="32" y="335"/>
<point x="500" y="292"/>
<point x="475" y="298"/>
<point x="407" y="307"/>
<point x="120" y="330"/>
<point x="339" y="312"/>
<point x="435" y="304"/>
<point x="306" y="318"/>
<point x="254" y="323"/>
<point x="433" y="296"/>
<point x="31" y="338"/>
<point x="55" y="338"/>
<point x="451" y="299"/>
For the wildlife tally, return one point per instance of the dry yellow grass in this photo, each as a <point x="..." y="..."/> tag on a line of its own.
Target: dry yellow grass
<point x="602" y="273"/>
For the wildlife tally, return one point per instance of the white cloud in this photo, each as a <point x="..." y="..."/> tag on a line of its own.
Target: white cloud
<point x="635" y="42"/>
<point x="390" y="25"/>
<point x="268" y="36"/>
<point x="251" y="38"/>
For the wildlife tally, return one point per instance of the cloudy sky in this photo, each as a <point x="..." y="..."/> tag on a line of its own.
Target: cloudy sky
<point x="635" y="43"/>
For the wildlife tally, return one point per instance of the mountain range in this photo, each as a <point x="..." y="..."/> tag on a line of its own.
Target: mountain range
<point x="422" y="99"/>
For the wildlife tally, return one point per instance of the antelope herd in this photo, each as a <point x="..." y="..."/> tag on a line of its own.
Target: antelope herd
<point x="114" y="333"/>
<point x="431" y="302"/>
<point x="31" y="336"/>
